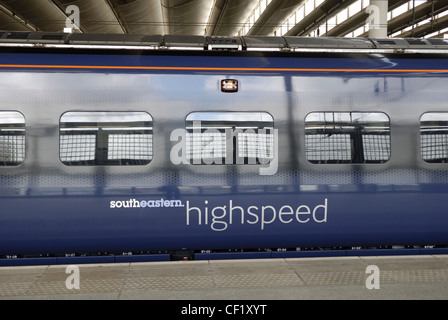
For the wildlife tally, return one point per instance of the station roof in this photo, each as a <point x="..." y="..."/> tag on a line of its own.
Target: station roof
<point x="336" y="18"/>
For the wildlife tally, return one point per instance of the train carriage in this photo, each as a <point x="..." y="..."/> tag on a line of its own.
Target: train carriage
<point x="127" y="143"/>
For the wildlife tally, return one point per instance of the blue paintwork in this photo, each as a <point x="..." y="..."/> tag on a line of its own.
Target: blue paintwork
<point x="58" y="219"/>
<point x="316" y="61"/>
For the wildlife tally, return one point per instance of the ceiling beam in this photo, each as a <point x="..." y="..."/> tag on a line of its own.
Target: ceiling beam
<point x="216" y="16"/>
<point x="411" y="17"/>
<point x="318" y="16"/>
<point x="117" y="16"/>
<point x="18" y="18"/>
<point x="274" y="15"/>
<point x="427" y="28"/>
<point x="350" y="25"/>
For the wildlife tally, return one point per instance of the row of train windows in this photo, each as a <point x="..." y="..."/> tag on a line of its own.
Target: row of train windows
<point x="126" y="138"/>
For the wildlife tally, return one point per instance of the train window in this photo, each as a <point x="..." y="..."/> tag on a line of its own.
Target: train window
<point x="230" y="138"/>
<point x="105" y="138"/>
<point x="434" y="137"/>
<point x="347" y="137"/>
<point x="12" y="138"/>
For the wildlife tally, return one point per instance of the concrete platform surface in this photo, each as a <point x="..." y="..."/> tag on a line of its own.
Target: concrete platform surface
<point x="352" y="278"/>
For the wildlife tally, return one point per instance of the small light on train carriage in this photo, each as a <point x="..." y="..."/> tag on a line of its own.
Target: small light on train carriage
<point x="229" y="85"/>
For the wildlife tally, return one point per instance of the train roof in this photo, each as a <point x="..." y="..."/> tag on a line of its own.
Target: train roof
<point x="245" y="43"/>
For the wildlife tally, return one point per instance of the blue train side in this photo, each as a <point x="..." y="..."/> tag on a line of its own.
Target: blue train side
<point x="332" y="148"/>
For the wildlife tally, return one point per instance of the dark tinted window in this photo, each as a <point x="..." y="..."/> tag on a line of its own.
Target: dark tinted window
<point x="12" y="138"/>
<point x="434" y="137"/>
<point x="347" y="137"/>
<point x="106" y="138"/>
<point x="230" y="137"/>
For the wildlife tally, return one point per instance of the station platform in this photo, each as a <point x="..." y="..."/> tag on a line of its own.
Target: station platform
<point x="334" y="278"/>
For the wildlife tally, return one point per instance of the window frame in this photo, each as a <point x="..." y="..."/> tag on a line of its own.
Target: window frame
<point x="443" y="141"/>
<point x="17" y="130"/>
<point x="254" y="126"/>
<point x="357" y="134"/>
<point x="121" y="125"/>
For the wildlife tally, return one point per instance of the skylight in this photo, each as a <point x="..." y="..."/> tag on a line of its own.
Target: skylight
<point x="254" y="16"/>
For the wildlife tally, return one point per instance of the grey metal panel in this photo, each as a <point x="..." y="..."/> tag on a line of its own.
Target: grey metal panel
<point x="408" y="43"/>
<point x="259" y="42"/>
<point x="193" y="42"/>
<point x="440" y="43"/>
<point x="153" y="93"/>
<point x="339" y="43"/>
<point x="390" y="43"/>
<point x="19" y="36"/>
<point x="33" y="37"/>
<point x="177" y="41"/>
<point x="115" y="39"/>
<point x="48" y="37"/>
<point x="224" y="43"/>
